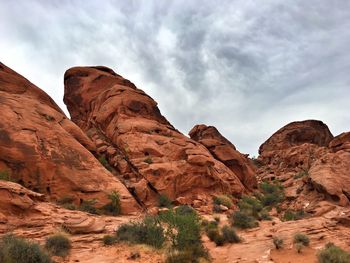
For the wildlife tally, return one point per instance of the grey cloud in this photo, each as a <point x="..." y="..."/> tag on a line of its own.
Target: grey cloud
<point x="246" y="67"/>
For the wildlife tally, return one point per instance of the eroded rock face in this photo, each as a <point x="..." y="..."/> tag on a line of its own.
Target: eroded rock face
<point x="145" y="150"/>
<point x="310" y="163"/>
<point x="297" y="133"/>
<point x="224" y="151"/>
<point x="44" y="151"/>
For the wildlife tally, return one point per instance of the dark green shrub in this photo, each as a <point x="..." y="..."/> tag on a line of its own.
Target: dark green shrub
<point x="222" y="200"/>
<point x="213" y="233"/>
<point x="278" y="242"/>
<point x="241" y="220"/>
<point x="149" y="232"/>
<point x="230" y="235"/>
<point x="184" y="210"/>
<point x="333" y="254"/>
<point x="301" y="238"/>
<point x="219" y="240"/>
<point x="290" y="215"/>
<point x="105" y="163"/>
<point x="5" y="176"/>
<point x="250" y="205"/>
<point x="18" y="250"/>
<point x="272" y="194"/>
<point x="264" y="215"/>
<point x="58" y="245"/>
<point x="164" y="201"/>
<point x="108" y="240"/>
<point x="88" y="206"/>
<point x="148" y="160"/>
<point x="114" y="207"/>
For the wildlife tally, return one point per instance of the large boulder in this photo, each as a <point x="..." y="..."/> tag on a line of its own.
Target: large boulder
<point x="224" y="151"/>
<point x="340" y="142"/>
<point x="44" y="151"/>
<point x="148" y="153"/>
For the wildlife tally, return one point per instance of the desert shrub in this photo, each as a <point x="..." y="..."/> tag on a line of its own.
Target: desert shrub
<point x="113" y="207"/>
<point x="278" y="242"/>
<point x="219" y="240"/>
<point x="290" y="215"/>
<point x="149" y="232"/>
<point x="88" y="206"/>
<point x="58" y="245"/>
<point x="184" y="210"/>
<point x="217" y="208"/>
<point x="5" y="176"/>
<point x="222" y="200"/>
<point x="242" y="220"/>
<point x="187" y="256"/>
<point x="301" y="238"/>
<point x="264" y="215"/>
<point x="301" y="174"/>
<point x="18" y="250"/>
<point x="67" y="202"/>
<point x="333" y="254"/>
<point x="213" y="233"/>
<point x="230" y="235"/>
<point x="250" y="204"/>
<point x="108" y="240"/>
<point x="272" y="194"/>
<point x="210" y="225"/>
<point x="164" y="201"/>
<point x="148" y="160"/>
<point x="105" y="163"/>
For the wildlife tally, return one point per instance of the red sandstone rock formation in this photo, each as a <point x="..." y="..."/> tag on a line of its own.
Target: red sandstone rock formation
<point x="147" y="153"/>
<point x="224" y="151"/>
<point x="299" y="156"/>
<point x="44" y="151"/>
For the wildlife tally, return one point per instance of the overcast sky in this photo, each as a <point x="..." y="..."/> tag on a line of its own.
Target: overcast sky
<point x="246" y="67"/>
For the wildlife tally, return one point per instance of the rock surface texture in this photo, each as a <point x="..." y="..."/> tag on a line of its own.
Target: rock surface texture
<point x="310" y="163"/>
<point x="44" y="151"/>
<point x="224" y="151"/>
<point x="147" y="153"/>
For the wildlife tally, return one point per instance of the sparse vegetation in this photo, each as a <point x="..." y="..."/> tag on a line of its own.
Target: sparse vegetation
<point x="333" y="254"/>
<point x="14" y="249"/>
<point x="149" y="232"/>
<point x="241" y="220"/>
<point x="58" y="245"/>
<point x="301" y="174"/>
<point x="108" y="240"/>
<point x="105" y="163"/>
<point x="290" y="215"/>
<point x="89" y="206"/>
<point x="299" y="247"/>
<point x="164" y="201"/>
<point x="222" y="200"/>
<point x="301" y="238"/>
<point x="226" y="235"/>
<point x="272" y="194"/>
<point x="5" y="176"/>
<point x="67" y="202"/>
<point x="230" y="235"/>
<point x="278" y="242"/>
<point x="148" y="160"/>
<point x="113" y="207"/>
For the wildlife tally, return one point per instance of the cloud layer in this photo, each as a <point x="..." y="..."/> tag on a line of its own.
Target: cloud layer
<point x="246" y="67"/>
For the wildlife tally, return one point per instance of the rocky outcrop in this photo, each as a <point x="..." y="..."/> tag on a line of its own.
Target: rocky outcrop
<point x="224" y="151"/>
<point x="44" y="151"/>
<point x="310" y="163"/>
<point x="147" y="153"/>
<point x="297" y="133"/>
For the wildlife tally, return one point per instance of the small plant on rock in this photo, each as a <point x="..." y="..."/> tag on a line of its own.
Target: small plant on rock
<point x="278" y="242"/>
<point x="301" y="238"/>
<point x="89" y="206"/>
<point x="164" y="201"/>
<point x="223" y="200"/>
<point x="58" y="245"/>
<point x="108" y="240"/>
<point x="114" y="206"/>
<point x="5" y="176"/>
<point x="148" y="160"/>
<point x="333" y="254"/>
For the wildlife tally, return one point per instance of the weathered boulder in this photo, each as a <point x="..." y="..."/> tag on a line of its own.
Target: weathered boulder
<point x="44" y="151"/>
<point x="149" y="155"/>
<point x="340" y="142"/>
<point x="224" y="151"/>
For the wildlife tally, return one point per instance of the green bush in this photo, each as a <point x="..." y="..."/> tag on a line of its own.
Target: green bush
<point x="278" y="242"/>
<point x="301" y="238"/>
<point x="187" y="256"/>
<point x="242" y="220"/>
<point x="113" y="207"/>
<point x="164" y="201"/>
<point x="222" y="200"/>
<point x="290" y="215"/>
<point x="213" y="233"/>
<point x="58" y="245"/>
<point x="105" y="163"/>
<point x="148" y="160"/>
<point x="219" y="240"/>
<point x="18" y="250"/>
<point x="272" y="194"/>
<point x="5" y="176"/>
<point x="185" y="210"/>
<point x="108" y="240"/>
<point x="149" y="232"/>
<point x="333" y="254"/>
<point x="230" y="235"/>
<point x="88" y="206"/>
